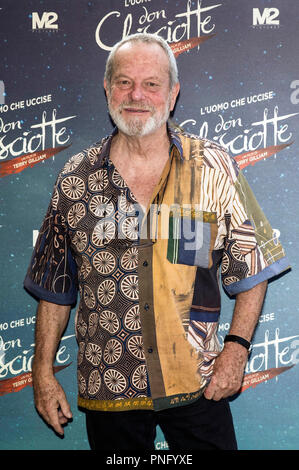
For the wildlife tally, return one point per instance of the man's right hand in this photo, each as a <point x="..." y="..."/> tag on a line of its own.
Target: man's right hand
<point x="51" y="402"/>
<point x="50" y="399"/>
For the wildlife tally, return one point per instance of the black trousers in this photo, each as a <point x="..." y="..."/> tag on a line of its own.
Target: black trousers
<point x="202" y="425"/>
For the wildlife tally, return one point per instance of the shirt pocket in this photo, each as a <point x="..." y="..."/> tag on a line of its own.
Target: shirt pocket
<point x="191" y="236"/>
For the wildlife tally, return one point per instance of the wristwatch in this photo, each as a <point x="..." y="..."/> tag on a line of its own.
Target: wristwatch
<point x="238" y="339"/>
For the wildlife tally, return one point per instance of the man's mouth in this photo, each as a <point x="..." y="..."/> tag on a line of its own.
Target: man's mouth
<point x="136" y="110"/>
<point x="133" y="109"/>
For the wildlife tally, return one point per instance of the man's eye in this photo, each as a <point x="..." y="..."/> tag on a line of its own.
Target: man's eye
<point x="123" y="83"/>
<point x="152" y="84"/>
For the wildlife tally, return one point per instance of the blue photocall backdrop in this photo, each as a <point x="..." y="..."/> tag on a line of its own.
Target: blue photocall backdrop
<point x="239" y="78"/>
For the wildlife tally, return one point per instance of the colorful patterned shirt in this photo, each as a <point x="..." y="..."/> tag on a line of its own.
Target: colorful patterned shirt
<point x="147" y="318"/>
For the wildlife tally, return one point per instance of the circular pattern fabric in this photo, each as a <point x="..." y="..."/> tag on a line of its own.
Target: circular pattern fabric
<point x="98" y="180"/>
<point x="224" y="263"/>
<point x="104" y="262"/>
<point x="112" y="351"/>
<point x="93" y="154"/>
<point x="106" y="291"/>
<point x="85" y="268"/>
<point x="129" y="286"/>
<point x="135" y="346"/>
<point x="93" y="323"/>
<point x="81" y="326"/>
<point x="81" y="383"/>
<point x="109" y="321"/>
<point x="73" y="163"/>
<point x="73" y="187"/>
<point x="75" y="214"/>
<point x="103" y="233"/>
<point x="93" y="353"/>
<point x="235" y="267"/>
<point x="55" y="199"/>
<point x="125" y="205"/>
<point x="89" y="297"/>
<point x="115" y="381"/>
<point x="129" y="228"/>
<point x="80" y="240"/>
<point x="117" y="179"/>
<point x="100" y="206"/>
<point x="81" y="352"/>
<point x="94" y="382"/>
<point x="129" y="259"/>
<point x="139" y="377"/>
<point x="230" y="280"/>
<point x="132" y="318"/>
<point x="95" y="210"/>
<point x="236" y="253"/>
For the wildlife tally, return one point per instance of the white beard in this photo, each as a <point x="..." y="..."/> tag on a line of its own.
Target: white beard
<point x="135" y="126"/>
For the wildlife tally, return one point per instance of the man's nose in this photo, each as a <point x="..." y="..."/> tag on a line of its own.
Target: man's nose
<point x="137" y="92"/>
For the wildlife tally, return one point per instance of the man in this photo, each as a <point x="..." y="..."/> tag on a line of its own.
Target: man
<point x="140" y="224"/>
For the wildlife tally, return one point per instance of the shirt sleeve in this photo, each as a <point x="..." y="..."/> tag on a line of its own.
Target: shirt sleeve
<point x="252" y="250"/>
<point x="52" y="273"/>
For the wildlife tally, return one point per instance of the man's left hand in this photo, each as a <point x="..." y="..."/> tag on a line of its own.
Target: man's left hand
<point x="228" y="372"/>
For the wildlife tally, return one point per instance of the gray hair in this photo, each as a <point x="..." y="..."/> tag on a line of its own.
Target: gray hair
<point x="149" y="39"/>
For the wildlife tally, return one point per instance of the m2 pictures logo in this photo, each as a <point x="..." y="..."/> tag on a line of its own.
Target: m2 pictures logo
<point x="266" y="18"/>
<point x="45" y="21"/>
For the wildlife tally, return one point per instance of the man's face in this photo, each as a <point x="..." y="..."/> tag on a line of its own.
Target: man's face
<point x="139" y="98"/>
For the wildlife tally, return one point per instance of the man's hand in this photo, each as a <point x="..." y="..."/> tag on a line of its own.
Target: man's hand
<point x="50" y="399"/>
<point x="229" y="366"/>
<point x="51" y="402"/>
<point x="228" y="372"/>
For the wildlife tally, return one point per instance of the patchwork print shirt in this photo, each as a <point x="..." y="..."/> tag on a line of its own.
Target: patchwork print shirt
<point x="147" y="318"/>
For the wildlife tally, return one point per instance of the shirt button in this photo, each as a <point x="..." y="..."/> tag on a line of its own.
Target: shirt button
<point x="150" y="350"/>
<point x="145" y="263"/>
<point x="146" y="306"/>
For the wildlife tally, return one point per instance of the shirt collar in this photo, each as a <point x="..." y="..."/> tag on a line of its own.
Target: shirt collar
<point x="174" y="137"/>
<point x="175" y="141"/>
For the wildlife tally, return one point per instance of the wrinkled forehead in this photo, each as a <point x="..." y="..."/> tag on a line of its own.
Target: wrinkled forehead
<point x="132" y="55"/>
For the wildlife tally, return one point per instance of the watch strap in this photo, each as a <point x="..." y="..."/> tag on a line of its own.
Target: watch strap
<point x="238" y="339"/>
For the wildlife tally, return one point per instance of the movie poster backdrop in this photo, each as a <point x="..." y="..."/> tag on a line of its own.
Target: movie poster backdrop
<point x="239" y="73"/>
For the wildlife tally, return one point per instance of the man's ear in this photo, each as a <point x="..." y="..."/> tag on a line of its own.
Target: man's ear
<point x="105" y="86"/>
<point x="174" y="94"/>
